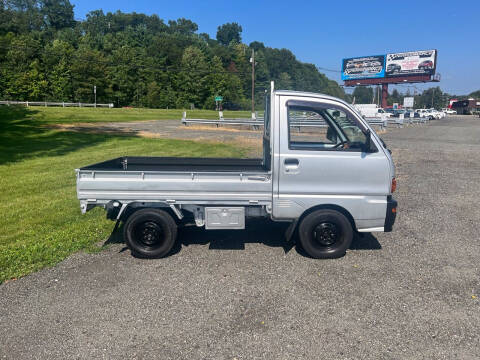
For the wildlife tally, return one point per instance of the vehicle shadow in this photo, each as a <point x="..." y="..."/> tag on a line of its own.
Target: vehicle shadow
<point x="257" y="231"/>
<point x="365" y="241"/>
<point x="23" y="135"/>
<point x="361" y="241"/>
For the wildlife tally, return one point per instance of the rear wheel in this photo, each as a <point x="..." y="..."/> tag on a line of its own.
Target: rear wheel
<point x="150" y="233"/>
<point x="325" y="234"/>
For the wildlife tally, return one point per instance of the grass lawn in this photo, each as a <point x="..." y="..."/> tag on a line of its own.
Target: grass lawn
<point x="56" y="115"/>
<point x="41" y="223"/>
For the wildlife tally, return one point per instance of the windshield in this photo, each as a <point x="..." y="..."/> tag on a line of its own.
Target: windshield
<point x="348" y="127"/>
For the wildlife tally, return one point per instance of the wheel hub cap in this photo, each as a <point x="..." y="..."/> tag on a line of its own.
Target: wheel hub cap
<point x="326" y="234"/>
<point x="149" y="233"/>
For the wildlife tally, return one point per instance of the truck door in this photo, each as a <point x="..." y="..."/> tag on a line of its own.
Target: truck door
<point x="322" y="160"/>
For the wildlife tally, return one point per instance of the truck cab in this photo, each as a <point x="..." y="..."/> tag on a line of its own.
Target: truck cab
<point x="338" y="160"/>
<point x="323" y="170"/>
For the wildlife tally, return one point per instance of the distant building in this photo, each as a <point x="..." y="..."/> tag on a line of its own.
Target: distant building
<point x="465" y="107"/>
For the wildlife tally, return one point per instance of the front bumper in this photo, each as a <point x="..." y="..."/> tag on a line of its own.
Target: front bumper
<point x="391" y="213"/>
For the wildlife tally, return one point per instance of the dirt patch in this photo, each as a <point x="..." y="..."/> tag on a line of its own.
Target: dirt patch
<point x="97" y="128"/>
<point x="212" y="128"/>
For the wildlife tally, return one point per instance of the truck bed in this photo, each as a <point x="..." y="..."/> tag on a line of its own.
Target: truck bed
<point x="177" y="164"/>
<point x="183" y="180"/>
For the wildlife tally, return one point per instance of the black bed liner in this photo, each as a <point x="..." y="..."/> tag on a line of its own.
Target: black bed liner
<point x="141" y="163"/>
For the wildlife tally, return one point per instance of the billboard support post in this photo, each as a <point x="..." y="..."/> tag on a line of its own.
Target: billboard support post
<point x="384" y="95"/>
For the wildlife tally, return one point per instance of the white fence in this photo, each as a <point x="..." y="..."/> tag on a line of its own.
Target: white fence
<point x="48" y="103"/>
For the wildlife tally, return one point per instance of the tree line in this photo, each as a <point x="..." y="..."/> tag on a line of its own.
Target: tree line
<point x="135" y="59"/>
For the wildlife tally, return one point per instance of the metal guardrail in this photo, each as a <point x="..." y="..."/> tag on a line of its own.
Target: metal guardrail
<point x="255" y="122"/>
<point x="300" y="122"/>
<point x="49" y="103"/>
<point x="222" y="121"/>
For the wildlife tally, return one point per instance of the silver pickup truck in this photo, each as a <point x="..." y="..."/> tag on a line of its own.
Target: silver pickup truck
<point x="330" y="178"/>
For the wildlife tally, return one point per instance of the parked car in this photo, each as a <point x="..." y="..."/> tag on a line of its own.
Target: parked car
<point x="436" y="114"/>
<point x="395" y="112"/>
<point x="327" y="186"/>
<point x="449" y="111"/>
<point x="424" y="113"/>
<point x="408" y="114"/>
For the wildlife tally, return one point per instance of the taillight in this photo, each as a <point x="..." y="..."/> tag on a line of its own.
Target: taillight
<point x="394" y="185"/>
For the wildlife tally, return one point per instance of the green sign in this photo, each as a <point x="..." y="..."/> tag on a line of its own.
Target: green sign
<point x="218" y="98"/>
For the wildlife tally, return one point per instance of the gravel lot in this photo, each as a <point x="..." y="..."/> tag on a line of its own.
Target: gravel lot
<point x="410" y="294"/>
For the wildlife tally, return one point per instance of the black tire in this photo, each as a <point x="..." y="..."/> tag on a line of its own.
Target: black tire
<point x="150" y="233"/>
<point x="325" y="234"/>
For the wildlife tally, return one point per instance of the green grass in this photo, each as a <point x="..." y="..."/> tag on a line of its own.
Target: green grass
<point x="57" y="115"/>
<point x="41" y="223"/>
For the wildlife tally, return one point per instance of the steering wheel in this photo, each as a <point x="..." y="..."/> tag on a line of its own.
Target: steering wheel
<point x="342" y="143"/>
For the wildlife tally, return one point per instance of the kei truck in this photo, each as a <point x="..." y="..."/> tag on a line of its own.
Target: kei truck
<point x="324" y="170"/>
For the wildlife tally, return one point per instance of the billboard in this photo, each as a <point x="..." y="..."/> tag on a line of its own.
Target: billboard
<point x="366" y="67"/>
<point x="421" y="62"/>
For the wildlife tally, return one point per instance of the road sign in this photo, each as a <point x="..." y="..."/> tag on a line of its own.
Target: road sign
<point x="218" y="98"/>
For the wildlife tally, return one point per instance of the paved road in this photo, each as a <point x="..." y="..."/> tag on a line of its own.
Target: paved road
<point x="247" y="295"/>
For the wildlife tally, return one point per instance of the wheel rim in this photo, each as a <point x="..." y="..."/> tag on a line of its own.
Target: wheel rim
<point x="149" y="234"/>
<point x="326" y="234"/>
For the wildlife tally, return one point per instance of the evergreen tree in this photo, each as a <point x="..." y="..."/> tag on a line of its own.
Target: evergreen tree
<point x="191" y="80"/>
<point x="229" y="32"/>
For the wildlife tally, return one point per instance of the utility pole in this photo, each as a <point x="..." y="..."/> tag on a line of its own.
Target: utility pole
<point x="433" y="94"/>
<point x="95" y="92"/>
<point x="252" y="60"/>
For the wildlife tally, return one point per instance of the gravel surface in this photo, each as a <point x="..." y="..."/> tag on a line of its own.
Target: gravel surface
<point x="410" y="294"/>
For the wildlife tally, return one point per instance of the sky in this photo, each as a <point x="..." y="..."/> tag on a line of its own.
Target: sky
<point x="325" y="32"/>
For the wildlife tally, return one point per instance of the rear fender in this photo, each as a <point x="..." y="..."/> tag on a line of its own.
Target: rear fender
<point x="132" y="207"/>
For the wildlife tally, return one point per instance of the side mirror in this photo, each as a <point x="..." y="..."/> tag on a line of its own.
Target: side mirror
<point x="368" y="142"/>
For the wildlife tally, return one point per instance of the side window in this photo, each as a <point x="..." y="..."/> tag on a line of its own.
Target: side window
<point x="323" y="128"/>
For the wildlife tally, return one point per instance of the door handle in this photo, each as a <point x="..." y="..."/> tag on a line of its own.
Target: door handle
<point x="291" y="165"/>
<point x="257" y="178"/>
<point x="291" y="162"/>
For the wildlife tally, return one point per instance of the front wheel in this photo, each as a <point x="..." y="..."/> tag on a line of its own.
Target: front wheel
<point x="325" y="234"/>
<point x="150" y="233"/>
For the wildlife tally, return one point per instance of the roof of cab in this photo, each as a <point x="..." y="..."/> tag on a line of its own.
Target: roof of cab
<point x="308" y="94"/>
